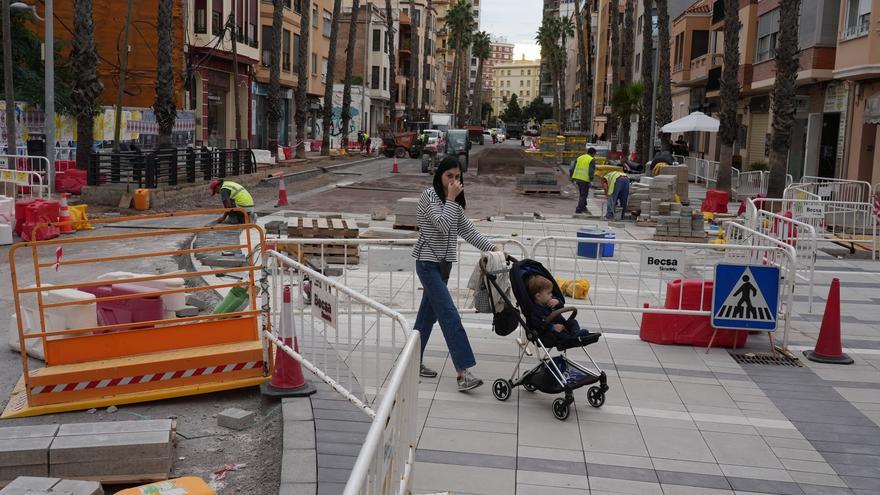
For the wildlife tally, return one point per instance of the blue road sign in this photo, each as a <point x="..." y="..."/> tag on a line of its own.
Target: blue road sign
<point x="746" y="297"/>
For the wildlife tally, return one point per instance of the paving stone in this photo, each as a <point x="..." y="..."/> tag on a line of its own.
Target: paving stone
<point x="22" y="484"/>
<point x="135" y="426"/>
<point x="298" y="409"/>
<point x="110" y="447"/>
<point x="25" y="470"/>
<point x="36" y="431"/>
<point x="224" y="261"/>
<point x="235" y="418"/>
<point x="764" y="486"/>
<point x="79" y="487"/>
<point x="24" y="451"/>
<point x="691" y="479"/>
<point x="299" y="466"/>
<point x="123" y="466"/>
<point x="298" y="489"/>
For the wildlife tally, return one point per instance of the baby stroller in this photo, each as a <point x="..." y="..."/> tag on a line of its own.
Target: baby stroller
<point x="553" y="374"/>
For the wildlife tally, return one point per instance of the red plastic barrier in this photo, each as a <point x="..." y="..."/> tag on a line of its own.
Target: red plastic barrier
<point x="288" y="153"/>
<point x="31" y="212"/>
<point x="71" y="181"/>
<point x="716" y="201"/>
<point x="64" y="165"/>
<point x="683" y="329"/>
<point x="147" y="308"/>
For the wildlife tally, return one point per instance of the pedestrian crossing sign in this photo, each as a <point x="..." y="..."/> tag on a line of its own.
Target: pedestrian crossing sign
<point x="746" y="297"/>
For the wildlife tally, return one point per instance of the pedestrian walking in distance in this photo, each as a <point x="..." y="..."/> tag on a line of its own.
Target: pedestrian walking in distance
<point x="582" y="173"/>
<point x="441" y="220"/>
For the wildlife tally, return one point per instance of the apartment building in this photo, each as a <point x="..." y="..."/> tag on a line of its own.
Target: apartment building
<point x="417" y="23"/>
<point x="690" y="65"/>
<point x="519" y="77"/>
<point x="857" y="69"/>
<point x="290" y="37"/>
<point x="502" y="53"/>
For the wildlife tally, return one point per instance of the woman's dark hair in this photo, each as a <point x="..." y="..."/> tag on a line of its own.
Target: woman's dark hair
<point x="448" y="163"/>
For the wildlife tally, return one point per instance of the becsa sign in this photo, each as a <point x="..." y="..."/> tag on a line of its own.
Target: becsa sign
<point x="662" y="261"/>
<point x="324" y="303"/>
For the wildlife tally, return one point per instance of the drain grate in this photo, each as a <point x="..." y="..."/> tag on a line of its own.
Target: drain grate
<point x="779" y="359"/>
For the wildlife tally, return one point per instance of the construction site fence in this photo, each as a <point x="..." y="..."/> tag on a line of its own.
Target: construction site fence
<point x="622" y="278"/>
<point x="785" y="229"/>
<point x="170" y="166"/>
<point x="849" y="191"/>
<point x="22" y="184"/>
<point x="742" y="184"/>
<point x="346" y="338"/>
<point x="37" y="171"/>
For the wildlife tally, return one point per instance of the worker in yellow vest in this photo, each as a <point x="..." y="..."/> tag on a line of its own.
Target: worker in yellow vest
<point x="617" y="189"/>
<point x="582" y="173"/>
<point x="234" y="195"/>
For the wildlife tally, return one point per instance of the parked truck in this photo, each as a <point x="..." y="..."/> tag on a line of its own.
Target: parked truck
<point x="513" y="130"/>
<point x="441" y="121"/>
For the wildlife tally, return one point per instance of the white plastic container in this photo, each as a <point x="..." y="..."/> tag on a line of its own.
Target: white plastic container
<point x="61" y="318"/>
<point x="170" y="302"/>
<point x="5" y="234"/>
<point x="7" y="210"/>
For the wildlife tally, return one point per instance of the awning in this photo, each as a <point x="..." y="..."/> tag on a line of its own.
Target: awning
<point x="696" y="121"/>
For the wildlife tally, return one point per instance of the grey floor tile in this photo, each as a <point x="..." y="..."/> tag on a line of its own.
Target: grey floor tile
<point x="465" y="459"/>
<point x="551" y="466"/>
<point x="742" y="450"/>
<point x="765" y="486"/>
<point x="824" y="490"/>
<point x="612" y="438"/>
<point x="691" y="479"/>
<point x="621" y="472"/>
<point x="677" y="443"/>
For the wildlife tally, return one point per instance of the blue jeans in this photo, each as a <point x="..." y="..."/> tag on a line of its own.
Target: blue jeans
<point x="437" y="305"/>
<point x="621" y="195"/>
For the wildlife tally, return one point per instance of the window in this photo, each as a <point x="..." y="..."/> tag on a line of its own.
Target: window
<point x="521" y="72"/>
<point x="377" y="40"/>
<point x="216" y="17"/>
<point x="297" y="6"/>
<point x="508" y="73"/>
<point x="529" y="72"/>
<point x="296" y="43"/>
<point x="528" y="93"/>
<point x="385" y="78"/>
<point x="314" y="64"/>
<point x="639" y="28"/>
<point x="522" y="83"/>
<point x="858" y="18"/>
<point x="417" y="18"/>
<point x="386" y="43"/>
<point x="324" y="69"/>
<point x="679" y="51"/>
<point x="529" y="83"/>
<point x="201" y="16"/>
<point x="267" y="46"/>
<point x="768" y="25"/>
<point x="253" y="16"/>
<point x="638" y="59"/>
<point x="328" y="21"/>
<point x="285" y="50"/>
<point x="374" y="77"/>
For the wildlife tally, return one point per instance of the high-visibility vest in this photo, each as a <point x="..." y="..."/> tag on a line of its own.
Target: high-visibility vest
<point x="582" y="168"/>
<point x="238" y="194"/>
<point x="612" y="177"/>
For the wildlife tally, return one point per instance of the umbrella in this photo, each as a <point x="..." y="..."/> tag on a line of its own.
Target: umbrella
<point x="696" y="121"/>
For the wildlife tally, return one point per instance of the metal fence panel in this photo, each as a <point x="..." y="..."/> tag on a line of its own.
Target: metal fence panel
<point x="37" y="167"/>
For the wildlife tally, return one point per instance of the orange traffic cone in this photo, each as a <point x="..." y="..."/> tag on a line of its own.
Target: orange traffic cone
<point x="394" y="168"/>
<point x="64" y="217"/>
<point x="282" y="193"/>
<point x="828" y="348"/>
<point x="287" y="376"/>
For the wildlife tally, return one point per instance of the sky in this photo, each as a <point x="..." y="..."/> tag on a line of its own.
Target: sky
<point x="516" y="20"/>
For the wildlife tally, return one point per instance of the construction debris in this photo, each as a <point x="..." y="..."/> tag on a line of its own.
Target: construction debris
<point x="538" y="183"/>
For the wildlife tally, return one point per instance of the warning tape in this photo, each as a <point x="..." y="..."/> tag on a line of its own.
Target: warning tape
<point x="156" y="377"/>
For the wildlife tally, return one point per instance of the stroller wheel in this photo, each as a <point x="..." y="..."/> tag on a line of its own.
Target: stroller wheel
<point x="560" y="409"/>
<point x="501" y="389"/>
<point x="528" y="386"/>
<point x="596" y="396"/>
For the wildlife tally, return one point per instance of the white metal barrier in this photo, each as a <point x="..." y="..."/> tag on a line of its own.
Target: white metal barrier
<point x="625" y="275"/>
<point x="22" y="184"/>
<point x="384" y="464"/>
<point x="384" y="270"/>
<point x="831" y="189"/>
<point x="39" y="165"/>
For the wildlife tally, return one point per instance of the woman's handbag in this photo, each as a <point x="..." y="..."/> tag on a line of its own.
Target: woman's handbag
<point x="505" y="322"/>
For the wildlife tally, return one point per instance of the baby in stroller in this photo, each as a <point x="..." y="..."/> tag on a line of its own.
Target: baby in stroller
<point x="559" y="330"/>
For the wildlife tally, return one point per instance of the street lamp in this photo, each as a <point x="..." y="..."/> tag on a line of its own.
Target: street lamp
<point x="49" y="76"/>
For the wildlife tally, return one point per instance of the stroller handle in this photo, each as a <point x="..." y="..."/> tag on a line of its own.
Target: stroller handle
<point x="558" y="312"/>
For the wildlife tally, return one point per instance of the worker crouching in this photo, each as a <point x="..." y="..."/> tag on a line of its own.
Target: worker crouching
<point x="234" y="195"/>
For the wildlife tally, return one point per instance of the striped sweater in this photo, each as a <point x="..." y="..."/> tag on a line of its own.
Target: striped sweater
<point x="440" y="224"/>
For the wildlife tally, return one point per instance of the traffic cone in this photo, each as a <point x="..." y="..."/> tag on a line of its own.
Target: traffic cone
<point x="828" y="348"/>
<point x="394" y="168"/>
<point x="287" y="377"/>
<point x="64" y="217"/>
<point x="282" y="193"/>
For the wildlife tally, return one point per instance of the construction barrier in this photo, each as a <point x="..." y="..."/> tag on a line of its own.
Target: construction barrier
<point x="22" y="184"/>
<point x="38" y="165"/>
<point x="635" y="277"/>
<point x="112" y="338"/>
<point x="831" y="189"/>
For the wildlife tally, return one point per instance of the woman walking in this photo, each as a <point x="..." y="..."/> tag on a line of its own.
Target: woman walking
<point x="441" y="220"/>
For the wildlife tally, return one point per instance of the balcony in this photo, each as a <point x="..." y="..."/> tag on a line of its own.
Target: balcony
<point x="857" y="30"/>
<point x="700" y="67"/>
<point x="404" y="19"/>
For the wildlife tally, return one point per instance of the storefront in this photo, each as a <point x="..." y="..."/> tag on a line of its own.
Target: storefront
<point x="864" y="149"/>
<point x="261" y="119"/>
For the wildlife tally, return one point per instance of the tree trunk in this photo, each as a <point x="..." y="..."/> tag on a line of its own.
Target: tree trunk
<point x="612" y="125"/>
<point x="664" y="90"/>
<point x="627" y="53"/>
<point x="235" y="99"/>
<point x="87" y="87"/>
<point x="273" y="110"/>
<point x="582" y="62"/>
<point x="477" y="106"/>
<point x="302" y="79"/>
<point x="328" y="80"/>
<point x="783" y="100"/>
<point x="453" y="92"/>
<point x="644" y="140"/>
<point x="729" y="93"/>
<point x="165" y="107"/>
<point x="413" y="75"/>
<point x="429" y="31"/>
<point x="349" y="67"/>
<point x="392" y="61"/>
<point x="465" y="75"/>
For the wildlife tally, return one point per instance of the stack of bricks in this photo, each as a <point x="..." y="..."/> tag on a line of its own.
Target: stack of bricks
<point x="663" y="188"/>
<point x="679" y="223"/>
<point x="24" y="451"/>
<point x="322" y="228"/>
<point x="32" y="485"/>
<point x="680" y="174"/>
<point x="405" y="211"/>
<point x="539" y="182"/>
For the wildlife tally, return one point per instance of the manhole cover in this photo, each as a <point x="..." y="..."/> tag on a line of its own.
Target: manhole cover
<point x="778" y="359"/>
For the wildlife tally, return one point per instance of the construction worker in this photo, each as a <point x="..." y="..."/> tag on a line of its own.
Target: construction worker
<point x="494" y="135"/>
<point x="582" y="173"/>
<point x="617" y="189"/>
<point x="234" y="195"/>
<point x="423" y="138"/>
<point x="367" y="142"/>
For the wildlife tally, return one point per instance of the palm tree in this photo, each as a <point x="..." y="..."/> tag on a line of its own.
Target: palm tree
<point x="349" y="68"/>
<point x="627" y="52"/>
<point x="165" y="107"/>
<point x="664" y="90"/>
<point x="328" y="80"/>
<point x="460" y="24"/>
<point x="84" y="57"/>
<point x="302" y="79"/>
<point x="566" y="30"/>
<point x="644" y="140"/>
<point x="614" y="60"/>
<point x="547" y="38"/>
<point x="625" y="101"/>
<point x="482" y="49"/>
<point x="783" y="106"/>
<point x="583" y="62"/>
<point x="392" y="60"/>
<point x="729" y="92"/>
<point x="273" y="112"/>
<point x="429" y="34"/>
<point x="411" y="96"/>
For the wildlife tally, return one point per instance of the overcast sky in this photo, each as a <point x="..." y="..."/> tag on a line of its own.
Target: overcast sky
<point x="516" y="20"/>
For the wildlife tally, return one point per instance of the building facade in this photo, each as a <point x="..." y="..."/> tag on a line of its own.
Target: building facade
<point x="519" y="77"/>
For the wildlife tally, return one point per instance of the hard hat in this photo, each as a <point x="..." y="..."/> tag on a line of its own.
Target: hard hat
<point x="215" y="186"/>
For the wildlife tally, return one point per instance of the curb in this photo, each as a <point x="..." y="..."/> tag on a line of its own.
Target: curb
<point x="299" y="464"/>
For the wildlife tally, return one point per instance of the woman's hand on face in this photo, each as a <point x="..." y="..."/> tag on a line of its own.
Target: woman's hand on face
<point x="455" y="188"/>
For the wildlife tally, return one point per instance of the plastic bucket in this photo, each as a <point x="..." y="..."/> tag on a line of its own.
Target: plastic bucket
<point x="591" y="249"/>
<point x="236" y="298"/>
